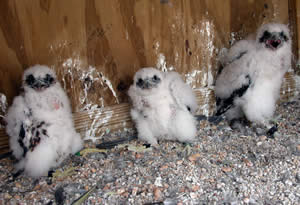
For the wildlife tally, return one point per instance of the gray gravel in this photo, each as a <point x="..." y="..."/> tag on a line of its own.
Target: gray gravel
<point x="224" y="166"/>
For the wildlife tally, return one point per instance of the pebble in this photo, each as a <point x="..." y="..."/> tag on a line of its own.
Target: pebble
<point x="226" y="169"/>
<point x="163" y="167"/>
<point x="179" y="162"/>
<point x="120" y="191"/>
<point x="262" y="138"/>
<point x="138" y="155"/>
<point x="246" y="200"/>
<point x="298" y="147"/>
<point x="7" y="196"/>
<point x="195" y="188"/>
<point x="158" y="182"/>
<point x="157" y="194"/>
<point x="247" y="162"/>
<point x="134" y="191"/>
<point x="194" y="157"/>
<point x="193" y="195"/>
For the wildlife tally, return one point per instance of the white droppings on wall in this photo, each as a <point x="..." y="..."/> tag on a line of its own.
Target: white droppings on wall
<point x="99" y="118"/>
<point x="3" y="103"/>
<point x="297" y="82"/>
<point x="232" y="38"/>
<point x="205" y="108"/>
<point x="72" y="66"/>
<point x="206" y="31"/>
<point x="127" y="35"/>
<point x="210" y="33"/>
<point x="162" y="64"/>
<point x="3" y="107"/>
<point x="109" y="84"/>
<point x="156" y="46"/>
<point x="88" y="76"/>
<point x="191" y="77"/>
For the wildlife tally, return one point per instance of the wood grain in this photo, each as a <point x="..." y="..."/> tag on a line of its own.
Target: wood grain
<point x="114" y="38"/>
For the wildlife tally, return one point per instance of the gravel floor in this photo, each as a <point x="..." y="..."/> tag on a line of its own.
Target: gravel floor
<point x="223" y="167"/>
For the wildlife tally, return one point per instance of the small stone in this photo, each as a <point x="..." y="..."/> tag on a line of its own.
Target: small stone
<point x="214" y="127"/>
<point x="158" y="182"/>
<point x="179" y="162"/>
<point x="106" y="187"/>
<point x="246" y="200"/>
<point x="163" y="167"/>
<point x="262" y="138"/>
<point x="193" y="195"/>
<point x="298" y="147"/>
<point x="195" y="188"/>
<point x="125" y="194"/>
<point x="134" y="191"/>
<point x="223" y="155"/>
<point x="37" y="187"/>
<point x="18" y="185"/>
<point x="59" y="195"/>
<point x="7" y="196"/>
<point x="226" y="169"/>
<point x="247" y="162"/>
<point x="120" y="191"/>
<point x="157" y="194"/>
<point x="138" y="155"/>
<point x="194" y="157"/>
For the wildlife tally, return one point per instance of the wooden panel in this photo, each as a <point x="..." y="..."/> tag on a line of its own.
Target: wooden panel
<point x="248" y="15"/>
<point x="97" y="46"/>
<point x="295" y="21"/>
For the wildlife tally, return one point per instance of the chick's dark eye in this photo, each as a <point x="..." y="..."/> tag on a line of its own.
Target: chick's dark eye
<point x="30" y="79"/>
<point x="282" y="35"/>
<point x="266" y="35"/>
<point x="139" y="82"/>
<point x="155" y="78"/>
<point x="49" y="79"/>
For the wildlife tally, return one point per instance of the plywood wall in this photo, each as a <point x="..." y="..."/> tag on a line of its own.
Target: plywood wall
<point x="295" y="19"/>
<point x="97" y="46"/>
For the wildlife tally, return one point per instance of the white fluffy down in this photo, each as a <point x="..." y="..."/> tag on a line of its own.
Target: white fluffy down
<point x="266" y="68"/>
<point x="161" y="112"/>
<point x="51" y="106"/>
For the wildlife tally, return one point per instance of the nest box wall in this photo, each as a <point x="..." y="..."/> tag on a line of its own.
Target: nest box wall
<point x="96" y="46"/>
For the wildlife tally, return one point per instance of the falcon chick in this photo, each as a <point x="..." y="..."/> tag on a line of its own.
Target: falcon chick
<point x="40" y="124"/>
<point x="163" y="106"/>
<point x="249" y="84"/>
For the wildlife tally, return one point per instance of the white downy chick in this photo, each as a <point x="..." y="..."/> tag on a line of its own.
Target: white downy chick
<point x="40" y="123"/>
<point x="163" y="106"/>
<point x="249" y="84"/>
